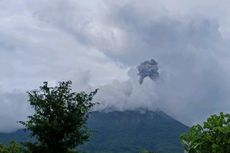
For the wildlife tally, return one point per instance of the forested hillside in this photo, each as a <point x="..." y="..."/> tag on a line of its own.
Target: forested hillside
<point x="127" y="132"/>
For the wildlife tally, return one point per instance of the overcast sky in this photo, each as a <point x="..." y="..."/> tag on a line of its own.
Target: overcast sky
<point x="99" y="43"/>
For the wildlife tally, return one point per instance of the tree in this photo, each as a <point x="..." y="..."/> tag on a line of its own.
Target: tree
<point x="212" y="137"/>
<point x="13" y="147"/>
<point x="59" y="121"/>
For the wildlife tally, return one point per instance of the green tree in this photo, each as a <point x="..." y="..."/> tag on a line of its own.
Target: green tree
<point x="13" y="147"/>
<point x="212" y="137"/>
<point x="59" y="121"/>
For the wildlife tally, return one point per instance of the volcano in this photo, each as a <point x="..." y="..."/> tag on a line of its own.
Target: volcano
<point x="126" y="132"/>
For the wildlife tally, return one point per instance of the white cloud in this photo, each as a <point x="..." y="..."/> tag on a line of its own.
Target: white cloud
<point x="33" y="51"/>
<point x="96" y="43"/>
<point x="14" y="108"/>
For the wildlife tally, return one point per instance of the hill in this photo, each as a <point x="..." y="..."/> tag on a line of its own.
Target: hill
<point x="127" y="132"/>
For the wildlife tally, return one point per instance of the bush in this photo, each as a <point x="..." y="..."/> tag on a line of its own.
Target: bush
<point x="212" y="137"/>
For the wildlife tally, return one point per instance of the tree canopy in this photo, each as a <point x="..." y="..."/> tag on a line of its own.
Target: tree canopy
<point x="211" y="137"/>
<point x="59" y="121"/>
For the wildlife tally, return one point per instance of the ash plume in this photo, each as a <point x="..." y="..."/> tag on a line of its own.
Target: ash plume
<point x="148" y="69"/>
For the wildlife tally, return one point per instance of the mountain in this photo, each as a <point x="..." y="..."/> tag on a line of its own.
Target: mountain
<point x="19" y="135"/>
<point x="127" y="132"/>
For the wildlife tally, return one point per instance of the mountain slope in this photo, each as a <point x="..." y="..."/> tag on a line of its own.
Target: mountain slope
<point x="131" y="131"/>
<point x="128" y="132"/>
<point x="19" y="135"/>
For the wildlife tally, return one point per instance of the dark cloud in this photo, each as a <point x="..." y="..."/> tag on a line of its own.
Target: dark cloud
<point x="148" y="69"/>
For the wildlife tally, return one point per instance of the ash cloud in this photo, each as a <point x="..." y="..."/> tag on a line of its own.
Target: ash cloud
<point x="148" y="69"/>
<point x="193" y="57"/>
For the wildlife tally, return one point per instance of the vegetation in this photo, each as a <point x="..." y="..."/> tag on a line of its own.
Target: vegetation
<point x="146" y="151"/>
<point x="13" y="147"/>
<point x="212" y="137"/>
<point x="59" y="121"/>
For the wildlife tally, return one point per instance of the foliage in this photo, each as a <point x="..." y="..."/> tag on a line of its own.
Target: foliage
<point x="13" y="147"/>
<point x="146" y="151"/>
<point x="59" y="121"/>
<point x="212" y="137"/>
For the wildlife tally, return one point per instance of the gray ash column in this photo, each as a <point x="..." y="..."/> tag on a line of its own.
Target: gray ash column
<point x="148" y="69"/>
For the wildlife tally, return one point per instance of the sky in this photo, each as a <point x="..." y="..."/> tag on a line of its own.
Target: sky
<point x="99" y="44"/>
